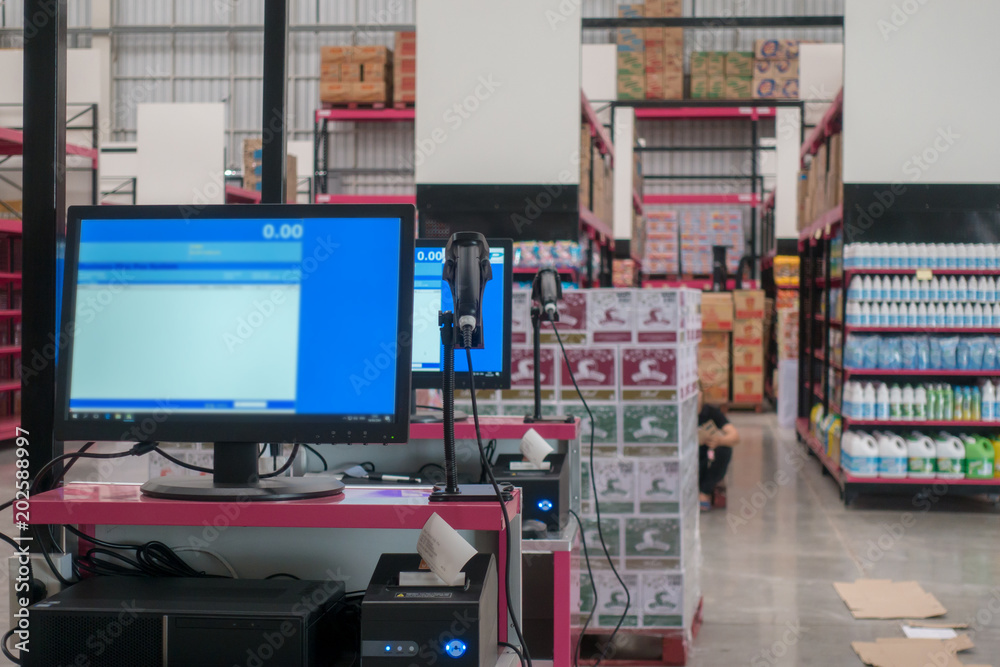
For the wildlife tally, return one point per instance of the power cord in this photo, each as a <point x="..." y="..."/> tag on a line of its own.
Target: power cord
<point x="467" y="340"/>
<point x="3" y="646"/>
<point x="593" y="586"/>
<point x="322" y="459"/>
<point x="597" y="506"/>
<point x="279" y="471"/>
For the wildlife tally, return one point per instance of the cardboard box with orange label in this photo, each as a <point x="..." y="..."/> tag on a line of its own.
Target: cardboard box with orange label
<point x="748" y="359"/>
<point x="748" y="388"/>
<point x="717" y="311"/>
<point x="748" y="332"/>
<point x="748" y="304"/>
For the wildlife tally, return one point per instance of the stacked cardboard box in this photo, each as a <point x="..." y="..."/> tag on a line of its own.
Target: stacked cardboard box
<point x="713" y="352"/>
<point x="821" y="183"/>
<point x="355" y="74"/>
<point x="703" y="228"/>
<point x="404" y="68"/>
<point x="787" y="307"/>
<point x="664" y="53"/>
<point x="776" y="69"/>
<point x="748" y="346"/>
<point x="603" y="187"/>
<point x="633" y="353"/>
<point x="585" y="164"/>
<point x="631" y="56"/>
<point x="721" y="75"/>
<point x="252" y="169"/>
<point x="10" y="209"/>
<point x="660" y="250"/>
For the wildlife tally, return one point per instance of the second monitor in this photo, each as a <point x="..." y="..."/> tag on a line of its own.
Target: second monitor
<point x="431" y="294"/>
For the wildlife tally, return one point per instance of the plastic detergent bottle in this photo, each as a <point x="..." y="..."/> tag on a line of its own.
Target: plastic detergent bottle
<point x="962" y="290"/>
<point x="920" y="404"/>
<point x="991" y="256"/>
<point x="990" y="290"/>
<point x="979" y="457"/>
<point x="846" y="447"/>
<point x="906" y="289"/>
<point x="950" y="456"/>
<point x="893" y="456"/>
<point x="923" y="286"/>
<point x="854" y="291"/>
<point x="877" y="293"/>
<point x="996" y="315"/>
<point x="961" y="256"/>
<point x="949" y="315"/>
<point x="989" y="402"/>
<point x="969" y="315"/>
<point x="976" y="289"/>
<point x="951" y="256"/>
<point x="864" y="456"/>
<point x="906" y="407"/>
<point x="977" y="315"/>
<point x="883" y="314"/>
<point x="920" y="456"/>
<point x="934" y="289"/>
<point x="947" y="403"/>
<point x="879" y="401"/>
<point x="922" y="320"/>
<point x="996" y="456"/>
<point x="895" y="403"/>
<point x="894" y="319"/>
<point x="952" y="294"/>
<point x="866" y="289"/>
<point x="975" y="404"/>
<point x="895" y="288"/>
<point x="865" y="318"/>
<point x="911" y="315"/>
<point x="933" y="403"/>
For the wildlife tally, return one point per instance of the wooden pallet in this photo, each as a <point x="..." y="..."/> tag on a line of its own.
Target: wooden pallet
<point x="675" y="646"/>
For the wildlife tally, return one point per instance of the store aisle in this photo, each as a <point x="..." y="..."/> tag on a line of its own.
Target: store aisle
<point x="770" y="558"/>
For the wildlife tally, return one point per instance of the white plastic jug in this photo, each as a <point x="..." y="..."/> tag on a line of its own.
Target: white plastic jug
<point x="846" y="448"/>
<point x="893" y="456"/>
<point x="950" y="457"/>
<point x="864" y="456"/>
<point x="921" y="453"/>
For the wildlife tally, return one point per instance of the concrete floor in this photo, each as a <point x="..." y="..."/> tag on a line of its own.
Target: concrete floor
<point x="770" y="558"/>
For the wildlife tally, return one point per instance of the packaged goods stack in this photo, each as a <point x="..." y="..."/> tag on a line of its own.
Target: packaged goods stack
<point x="702" y="228"/>
<point x="355" y="75"/>
<point x="631" y="56"/>
<point x="717" y="75"/>
<point x="714" y="350"/>
<point x="776" y="69"/>
<point x="660" y="251"/>
<point x="404" y="69"/>
<point x="633" y="353"/>
<point x="748" y="347"/>
<point x="821" y="185"/>
<point x="664" y="53"/>
<point x="586" y="163"/>
<point x="252" y="168"/>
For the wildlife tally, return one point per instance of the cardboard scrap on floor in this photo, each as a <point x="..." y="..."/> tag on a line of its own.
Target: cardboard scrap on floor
<point x="882" y="598"/>
<point x="902" y="652"/>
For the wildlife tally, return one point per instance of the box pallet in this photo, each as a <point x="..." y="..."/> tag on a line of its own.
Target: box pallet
<point x="676" y="644"/>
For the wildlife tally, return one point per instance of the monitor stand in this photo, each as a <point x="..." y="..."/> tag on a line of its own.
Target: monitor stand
<point x="236" y="479"/>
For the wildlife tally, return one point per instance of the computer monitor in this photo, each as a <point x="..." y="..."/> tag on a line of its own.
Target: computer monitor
<point x="237" y="325"/>
<point x="431" y="295"/>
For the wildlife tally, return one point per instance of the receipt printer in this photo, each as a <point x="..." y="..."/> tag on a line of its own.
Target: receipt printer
<point x="409" y="616"/>
<point x="545" y="491"/>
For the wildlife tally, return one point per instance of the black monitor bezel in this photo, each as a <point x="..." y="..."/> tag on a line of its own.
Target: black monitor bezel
<point x="245" y="427"/>
<point x="433" y="379"/>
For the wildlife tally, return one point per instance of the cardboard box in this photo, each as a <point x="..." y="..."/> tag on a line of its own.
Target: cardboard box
<point x="350" y="72"/>
<point x="748" y="304"/>
<point x="738" y="88"/>
<point x="334" y="54"/>
<point x="631" y="63"/>
<point x="615" y="485"/>
<point x="775" y="88"/>
<point x="611" y="314"/>
<point x="630" y="40"/>
<point x="653" y="59"/>
<point x="657" y="316"/>
<point x="746" y="332"/>
<point x="708" y="88"/>
<point x="632" y="87"/>
<point x="636" y="11"/>
<point x="739" y="63"/>
<point x="522" y="375"/>
<point x="649" y="373"/>
<point x="595" y="370"/>
<point x="664" y="8"/>
<point x="748" y="388"/>
<point x="329" y="71"/>
<point x="673" y="40"/>
<point x="716" y="311"/>
<point x="748" y="359"/>
<point x="885" y="599"/>
<point x="406" y="45"/>
<point x="714" y="340"/>
<point x="371" y="54"/>
<point x="708" y="63"/>
<point x="663" y="86"/>
<point x="673" y="64"/>
<point x="334" y="92"/>
<point x="374" y="72"/>
<point x="767" y="49"/>
<point x="370" y="92"/>
<point x="658" y="486"/>
<point x="776" y="68"/>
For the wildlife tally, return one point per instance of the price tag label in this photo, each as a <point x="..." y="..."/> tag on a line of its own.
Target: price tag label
<point x="924" y="274"/>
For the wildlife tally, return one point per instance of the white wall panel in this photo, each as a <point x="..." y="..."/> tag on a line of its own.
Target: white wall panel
<point x="180" y="154"/>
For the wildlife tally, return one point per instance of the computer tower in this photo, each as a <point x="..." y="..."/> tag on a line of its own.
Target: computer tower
<point x="185" y="622"/>
<point x="544" y="493"/>
<point x="423" y="622"/>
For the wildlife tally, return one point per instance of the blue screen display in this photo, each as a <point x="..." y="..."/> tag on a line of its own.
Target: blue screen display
<point x="431" y="294"/>
<point x="235" y="316"/>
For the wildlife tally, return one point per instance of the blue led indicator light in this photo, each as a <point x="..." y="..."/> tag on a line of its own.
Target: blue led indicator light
<point x="545" y="505"/>
<point x="455" y="648"/>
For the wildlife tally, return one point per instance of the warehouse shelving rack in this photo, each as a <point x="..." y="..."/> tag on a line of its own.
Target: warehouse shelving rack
<point x="750" y="111"/>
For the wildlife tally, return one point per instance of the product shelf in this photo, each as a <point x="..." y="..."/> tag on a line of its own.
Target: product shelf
<point x="10" y="350"/>
<point x="823" y="283"/>
<point x="827" y="126"/>
<point x="878" y="372"/>
<point x="916" y="481"/>
<point x="910" y="272"/>
<point x="238" y="195"/>
<point x="823" y="224"/>
<point x="818" y="391"/>
<point x="596" y="228"/>
<point x="819" y="355"/>
<point x="902" y="330"/>
<point x="10" y="277"/>
<point x="822" y="318"/>
<point x="802" y="426"/>
<point x="387" y="114"/>
<point x="746" y="199"/>
<point x="10" y="385"/>
<point x="12" y="143"/>
<point x="706" y="112"/>
<point x="10" y="226"/>
<point x="8" y="427"/>
<point x="921" y="424"/>
<point x="366" y="199"/>
<point x="597" y="128"/>
<point x="15" y="314"/>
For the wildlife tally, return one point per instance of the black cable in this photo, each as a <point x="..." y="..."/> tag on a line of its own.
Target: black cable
<point x="184" y="464"/>
<point x="429" y="407"/>
<point x="368" y="465"/>
<point x="10" y="541"/>
<point x="276" y="575"/>
<point x="467" y="336"/>
<point x="288" y="463"/>
<point x="593" y="586"/>
<point x="6" y="651"/>
<point x="310" y="448"/>
<point x="514" y="649"/>
<point x="597" y="505"/>
<point x="152" y="559"/>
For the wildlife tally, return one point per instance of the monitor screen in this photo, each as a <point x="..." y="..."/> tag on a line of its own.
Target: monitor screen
<point x="431" y="295"/>
<point x="237" y="323"/>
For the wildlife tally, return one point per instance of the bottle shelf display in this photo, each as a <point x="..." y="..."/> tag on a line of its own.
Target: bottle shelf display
<point x="904" y="393"/>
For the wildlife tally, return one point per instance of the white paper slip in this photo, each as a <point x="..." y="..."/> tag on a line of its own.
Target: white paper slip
<point x="443" y="549"/>
<point x="929" y="633"/>
<point x="534" y="447"/>
<point x="428" y="579"/>
<point x="528" y="465"/>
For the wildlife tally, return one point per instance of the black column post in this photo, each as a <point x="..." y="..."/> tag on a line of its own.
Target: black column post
<point x="275" y="89"/>
<point x="44" y="216"/>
